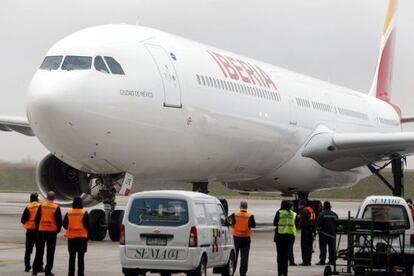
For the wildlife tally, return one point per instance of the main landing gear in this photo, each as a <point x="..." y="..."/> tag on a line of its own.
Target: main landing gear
<point x="109" y="219"/>
<point x="397" y="165"/>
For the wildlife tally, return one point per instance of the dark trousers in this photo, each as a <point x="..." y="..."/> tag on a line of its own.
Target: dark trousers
<point x="50" y="239"/>
<point x="325" y="241"/>
<point x="77" y="246"/>
<point x="242" y="245"/>
<point x="283" y="243"/>
<point x="31" y="236"/>
<point x="306" y="243"/>
<point x="81" y="263"/>
<point x="291" y="255"/>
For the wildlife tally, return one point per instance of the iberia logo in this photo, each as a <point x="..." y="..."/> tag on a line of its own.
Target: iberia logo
<point x="237" y="69"/>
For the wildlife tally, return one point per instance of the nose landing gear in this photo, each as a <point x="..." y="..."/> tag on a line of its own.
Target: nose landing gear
<point x="109" y="219"/>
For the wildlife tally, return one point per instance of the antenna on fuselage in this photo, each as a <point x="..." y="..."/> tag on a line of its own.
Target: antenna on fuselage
<point x="138" y="21"/>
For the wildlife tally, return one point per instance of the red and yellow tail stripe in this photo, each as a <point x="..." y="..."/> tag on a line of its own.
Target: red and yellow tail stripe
<point x="392" y="8"/>
<point x="381" y="86"/>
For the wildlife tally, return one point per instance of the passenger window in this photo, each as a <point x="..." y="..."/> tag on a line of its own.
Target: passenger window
<point x="100" y="65"/>
<point x="198" y="79"/>
<point x="72" y="63"/>
<point x="114" y="66"/>
<point x="204" y="82"/>
<point x="51" y="63"/>
<point x="200" y="214"/>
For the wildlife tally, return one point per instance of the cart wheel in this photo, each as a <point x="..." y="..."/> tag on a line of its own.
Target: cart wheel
<point x="327" y="271"/>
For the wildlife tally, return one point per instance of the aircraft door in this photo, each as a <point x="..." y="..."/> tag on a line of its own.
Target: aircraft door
<point x="172" y="89"/>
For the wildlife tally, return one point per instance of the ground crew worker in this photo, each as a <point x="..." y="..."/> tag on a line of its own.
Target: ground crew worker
<point x="285" y="232"/>
<point x="28" y="221"/>
<point x="326" y="228"/>
<point x="307" y="224"/>
<point x="76" y="223"/>
<point x="291" y="253"/>
<point x="48" y="223"/>
<point x="242" y="222"/>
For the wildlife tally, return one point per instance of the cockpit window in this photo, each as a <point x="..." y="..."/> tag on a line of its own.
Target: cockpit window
<point x="114" y="66"/>
<point x="51" y="63"/>
<point x="99" y="65"/>
<point x="77" y="63"/>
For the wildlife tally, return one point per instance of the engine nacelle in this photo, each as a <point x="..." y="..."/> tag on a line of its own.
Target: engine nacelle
<point x="67" y="182"/>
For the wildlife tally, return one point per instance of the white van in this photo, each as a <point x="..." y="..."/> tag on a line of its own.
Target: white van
<point x="175" y="231"/>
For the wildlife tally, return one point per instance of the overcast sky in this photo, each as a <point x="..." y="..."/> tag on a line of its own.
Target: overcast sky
<point x="334" y="40"/>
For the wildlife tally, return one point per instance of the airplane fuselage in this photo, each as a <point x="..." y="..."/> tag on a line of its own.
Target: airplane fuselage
<point x="185" y="111"/>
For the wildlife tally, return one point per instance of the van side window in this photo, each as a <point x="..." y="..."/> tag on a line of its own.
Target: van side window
<point x="222" y="216"/>
<point x="200" y="214"/>
<point x="212" y="214"/>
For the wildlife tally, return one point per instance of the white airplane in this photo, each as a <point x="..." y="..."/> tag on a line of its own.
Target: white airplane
<point x="119" y="100"/>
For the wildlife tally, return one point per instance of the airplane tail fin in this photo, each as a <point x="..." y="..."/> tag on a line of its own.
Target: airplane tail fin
<point x="381" y="85"/>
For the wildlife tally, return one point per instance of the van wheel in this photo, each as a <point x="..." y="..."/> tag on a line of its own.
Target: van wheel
<point x="228" y="270"/>
<point x="97" y="228"/>
<point x="115" y="220"/>
<point x="201" y="270"/>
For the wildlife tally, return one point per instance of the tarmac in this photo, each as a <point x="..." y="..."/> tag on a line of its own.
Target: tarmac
<point x="102" y="257"/>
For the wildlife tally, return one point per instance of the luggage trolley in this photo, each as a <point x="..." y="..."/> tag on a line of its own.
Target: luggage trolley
<point x="372" y="246"/>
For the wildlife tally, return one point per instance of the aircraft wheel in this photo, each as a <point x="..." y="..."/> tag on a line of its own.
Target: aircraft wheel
<point x="115" y="220"/>
<point x="97" y="227"/>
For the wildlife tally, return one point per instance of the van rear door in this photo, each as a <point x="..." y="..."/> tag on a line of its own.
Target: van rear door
<point x="157" y="228"/>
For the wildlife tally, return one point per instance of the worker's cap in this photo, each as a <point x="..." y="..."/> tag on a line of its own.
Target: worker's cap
<point x="51" y="195"/>
<point x="302" y="202"/>
<point x="243" y="205"/>
<point x="34" y="197"/>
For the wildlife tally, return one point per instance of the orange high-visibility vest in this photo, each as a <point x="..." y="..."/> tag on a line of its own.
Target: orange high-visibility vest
<point x="241" y="226"/>
<point x="312" y="215"/>
<point x="32" y="207"/>
<point x="76" y="229"/>
<point x="47" y="219"/>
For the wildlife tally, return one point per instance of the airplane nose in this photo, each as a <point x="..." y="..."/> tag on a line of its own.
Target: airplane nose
<point x="53" y="109"/>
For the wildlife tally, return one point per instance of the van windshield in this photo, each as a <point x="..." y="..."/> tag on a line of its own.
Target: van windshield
<point x="158" y="212"/>
<point x="386" y="212"/>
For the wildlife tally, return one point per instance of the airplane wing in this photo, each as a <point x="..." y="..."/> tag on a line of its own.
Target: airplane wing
<point x="344" y="151"/>
<point x="18" y="124"/>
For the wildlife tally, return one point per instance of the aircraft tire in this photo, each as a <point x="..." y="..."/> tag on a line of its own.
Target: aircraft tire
<point x="115" y="220"/>
<point x="97" y="228"/>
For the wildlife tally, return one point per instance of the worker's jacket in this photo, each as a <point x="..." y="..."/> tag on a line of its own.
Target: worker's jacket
<point x="286" y="224"/>
<point x="47" y="221"/>
<point x="31" y="208"/>
<point x="241" y="227"/>
<point x="76" y="228"/>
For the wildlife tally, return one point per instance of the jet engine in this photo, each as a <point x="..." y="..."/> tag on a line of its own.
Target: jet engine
<point x="67" y="182"/>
